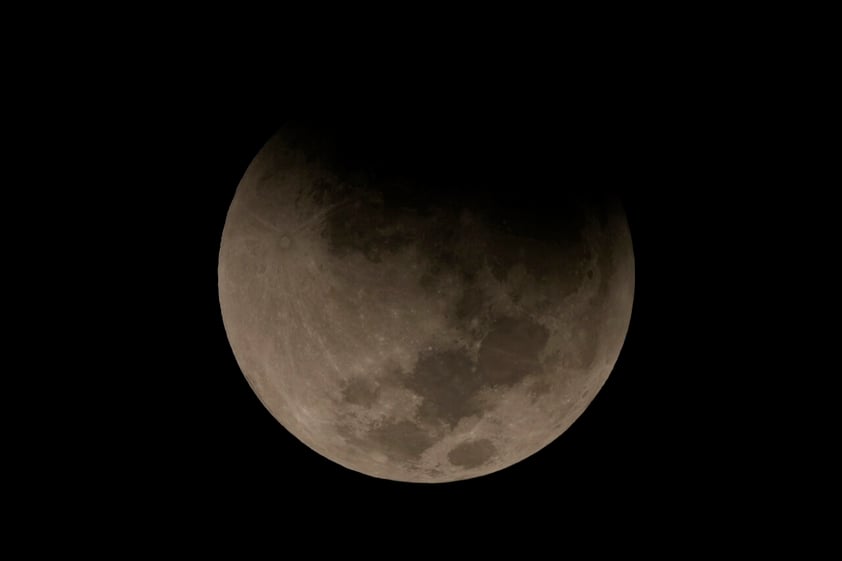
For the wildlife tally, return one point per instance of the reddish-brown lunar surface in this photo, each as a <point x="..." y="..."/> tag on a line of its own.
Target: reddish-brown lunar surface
<point x="414" y="335"/>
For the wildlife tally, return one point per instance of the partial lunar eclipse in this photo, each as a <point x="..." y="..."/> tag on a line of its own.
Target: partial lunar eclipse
<point x="416" y="333"/>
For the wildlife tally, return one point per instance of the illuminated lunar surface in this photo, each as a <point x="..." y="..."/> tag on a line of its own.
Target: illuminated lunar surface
<point x="417" y="333"/>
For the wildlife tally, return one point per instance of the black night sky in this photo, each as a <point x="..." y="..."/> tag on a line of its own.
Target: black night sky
<point x="649" y="438"/>
<point x="620" y="428"/>
<point x="131" y="148"/>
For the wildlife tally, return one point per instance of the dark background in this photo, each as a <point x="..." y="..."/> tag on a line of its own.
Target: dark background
<point x="639" y="440"/>
<point x="121" y="166"/>
<point x="189" y="437"/>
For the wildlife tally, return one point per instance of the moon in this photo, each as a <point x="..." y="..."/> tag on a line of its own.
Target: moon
<point x="407" y="321"/>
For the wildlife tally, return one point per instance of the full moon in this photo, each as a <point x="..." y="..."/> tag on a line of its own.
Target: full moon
<point x="415" y="320"/>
